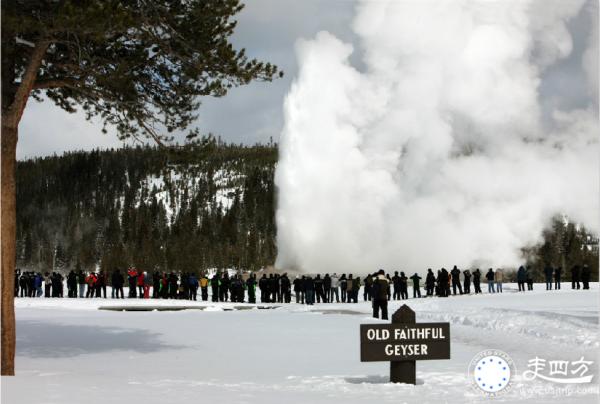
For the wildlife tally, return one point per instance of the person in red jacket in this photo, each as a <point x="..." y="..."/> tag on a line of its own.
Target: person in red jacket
<point x="140" y="284"/>
<point x="132" y="279"/>
<point x="91" y="282"/>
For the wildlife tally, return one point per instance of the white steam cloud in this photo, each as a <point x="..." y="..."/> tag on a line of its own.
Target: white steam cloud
<point x="437" y="154"/>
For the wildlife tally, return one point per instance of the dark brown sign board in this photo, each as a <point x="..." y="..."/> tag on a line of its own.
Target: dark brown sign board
<point x="403" y="342"/>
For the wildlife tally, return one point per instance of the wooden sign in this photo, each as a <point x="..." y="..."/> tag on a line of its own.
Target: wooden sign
<point x="403" y="342"/>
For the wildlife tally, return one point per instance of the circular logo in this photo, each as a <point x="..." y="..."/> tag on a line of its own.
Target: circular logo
<point x="490" y="372"/>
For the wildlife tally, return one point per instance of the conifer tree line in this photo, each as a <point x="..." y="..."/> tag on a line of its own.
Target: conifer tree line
<point x="206" y="205"/>
<point x="564" y="244"/>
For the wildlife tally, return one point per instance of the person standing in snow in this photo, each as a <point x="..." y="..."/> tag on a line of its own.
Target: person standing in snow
<point x="344" y="288"/>
<point x="335" y="286"/>
<point x="296" y="285"/>
<point x="251" y="285"/>
<point x="416" y="288"/>
<point x="37" y="283"/>
<point x="47" y="284"/>
<point x="263" y="285"/>
<point x="224" y="287"/>
<point x="319" y="291"/>
<point x="193" y="287"/>
<point x="81" y="283"/>
<point x="456" y="280"/>
<point x="103" y="278"/>
<point x="548" y="271"/>
<point x="309" y="290"/>
<point x="117" y="282"/>
<point x="173" y="286"/>
<point x="72" y="284"/>
<point x="349" y="283"/>
<point x="132" y="280"/>
<point x="91" y="283"/>
<point x="557" y="273"/>
<point x="521" y="278"/>
<point x="396" y="285"/>
<point x="477" y="281"/>
<point x="444" y="282"/>
<point x="490" y="280"/>
<point x="355" y="288"/>
<point x="367" y="288"/>
<point x="467" y="281"/>
<point x="403" y="286"/>
<point x="204" y="286"/>
<point x="380" y="295"/>
<point x="575" y="273"/>
<point x="214" y="286"/>
<point x="327" y="287"/>
<point x="529" y="274"/>
<point x="429" y="282"/>
<point x="286" y="288"/>
<point x="585" y="276"/>
<point x="140" y="284"/>
<point x="499" y="278"/>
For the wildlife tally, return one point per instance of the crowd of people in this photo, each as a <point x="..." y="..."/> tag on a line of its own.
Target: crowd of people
<point x="378" y="287"/>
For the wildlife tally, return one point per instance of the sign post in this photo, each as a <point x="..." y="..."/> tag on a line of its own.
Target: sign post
<point x="403" y="342"/>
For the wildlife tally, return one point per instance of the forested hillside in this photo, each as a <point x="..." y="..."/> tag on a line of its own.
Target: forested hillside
<point x="209" y="205"/>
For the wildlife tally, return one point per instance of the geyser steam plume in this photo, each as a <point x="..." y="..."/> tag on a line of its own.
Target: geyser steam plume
<point x="441" y="150"/>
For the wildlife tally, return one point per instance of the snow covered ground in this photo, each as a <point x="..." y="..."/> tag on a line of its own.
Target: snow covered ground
<point x="68" y="351"/>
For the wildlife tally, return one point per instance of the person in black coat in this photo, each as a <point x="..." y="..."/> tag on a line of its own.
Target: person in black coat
<point x="403" y="286"/>
<point x="286" y="288"/>
<point x="575" y="274"/>
<point x="379" y="293"/>
<point x="529" y="274"/>
<point x="263" y="286"/>
<point x="443" y="280"/>
<point x="214" y="286"/>
<point x="273" y="288"/>
<point x="557" y="273"/>
<point x="477" y="281"/>
<point x="344" y="287"/>
<point x="430" y="282"/>
<point x="327" y="287"/>
<point x="117" y="281"/>
<point x="309" y="290"/>
<point x="490" y="280"/>
<point x="224" y="288"/>
<point x="416" y="289"/>
<point x="467" y="281"/>
<point x="548" y="271"/>
<point x="319" y="291"/>
<point x="396" y="283"/>
<point x="456" y="280"/>
<point x="297" y="284"/>
<point x="585" y="276"/>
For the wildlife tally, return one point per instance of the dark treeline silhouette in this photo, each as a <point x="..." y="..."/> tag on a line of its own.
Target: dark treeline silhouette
<point x="207" y="205"/>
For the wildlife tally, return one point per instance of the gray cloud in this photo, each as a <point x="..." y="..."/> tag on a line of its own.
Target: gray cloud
<point x="269" y="29"/>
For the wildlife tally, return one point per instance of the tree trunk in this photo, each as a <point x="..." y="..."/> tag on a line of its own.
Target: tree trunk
<point x="8" y="236"/>
<point x="11" y="116"/>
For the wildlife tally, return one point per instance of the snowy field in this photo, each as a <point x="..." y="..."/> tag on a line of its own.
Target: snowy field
<point x="68" y="351"/>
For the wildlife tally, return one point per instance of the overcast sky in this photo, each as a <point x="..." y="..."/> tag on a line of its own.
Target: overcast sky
<point x="268" y="29"/>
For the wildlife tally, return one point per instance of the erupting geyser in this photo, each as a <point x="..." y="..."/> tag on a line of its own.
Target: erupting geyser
<point x="441" y="150"/>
